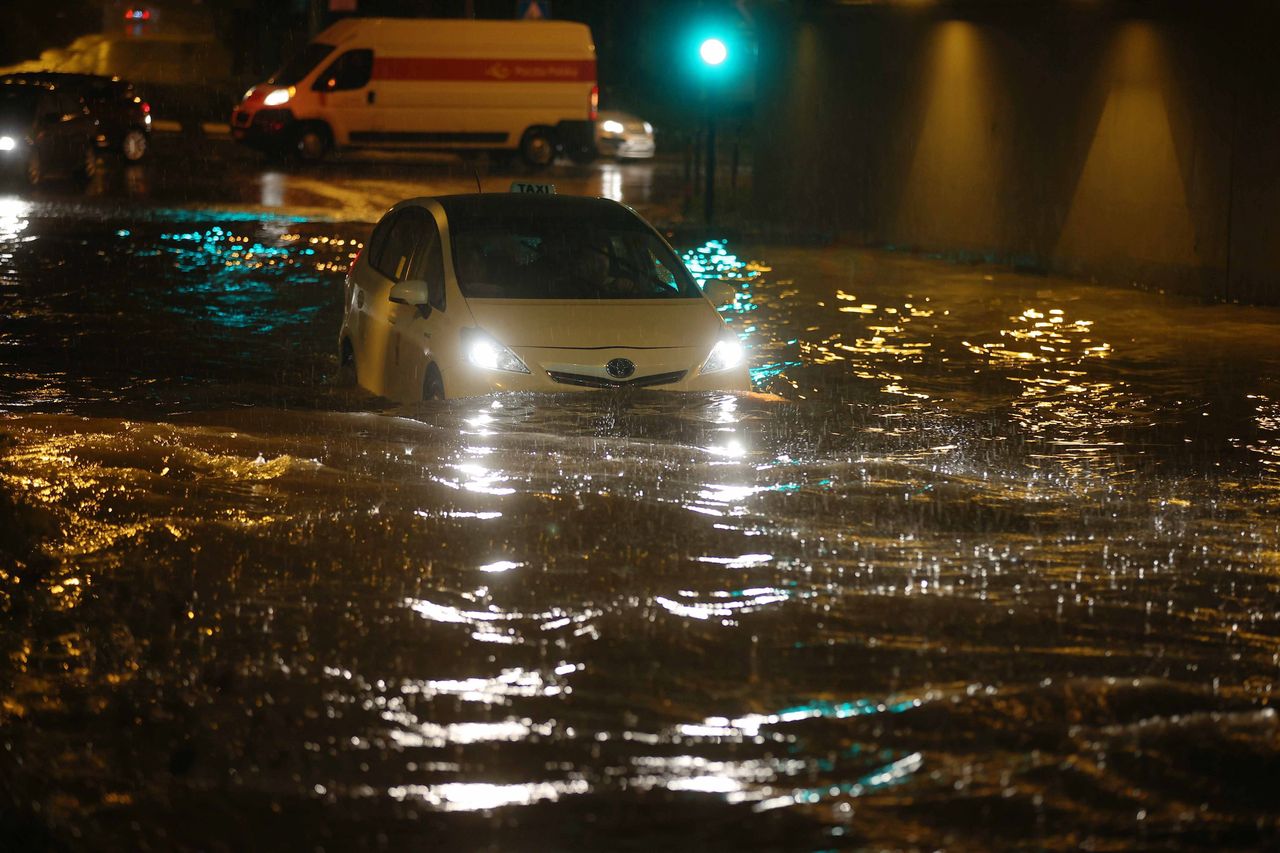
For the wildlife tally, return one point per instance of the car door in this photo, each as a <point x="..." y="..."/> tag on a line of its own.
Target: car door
<point x="50" y="135"/>
<point x="72" y="130"/>
<point x="388" y="260"/>
<point x="345" y="99"/>
<point x="416" y="329"/>
<point x="383" y="363"/>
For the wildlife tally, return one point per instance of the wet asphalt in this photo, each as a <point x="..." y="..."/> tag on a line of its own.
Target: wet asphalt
<point x="988" y="560"/>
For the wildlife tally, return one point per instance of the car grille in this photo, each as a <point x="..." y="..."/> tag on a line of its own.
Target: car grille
<point x="600" y="382"/>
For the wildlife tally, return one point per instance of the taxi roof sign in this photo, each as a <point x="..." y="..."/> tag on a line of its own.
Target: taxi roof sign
<point x="537" y="189"/>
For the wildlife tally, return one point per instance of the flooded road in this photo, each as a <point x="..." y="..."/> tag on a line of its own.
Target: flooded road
<point x="993" y="562"/>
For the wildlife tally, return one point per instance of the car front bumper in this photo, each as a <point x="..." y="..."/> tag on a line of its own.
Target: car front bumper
<point x="630" y="146"/>
<point x="467" y="380"/>
<point x="265" y="130"/>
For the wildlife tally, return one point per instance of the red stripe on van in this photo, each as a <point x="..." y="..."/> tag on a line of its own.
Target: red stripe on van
<point x="504" y="70"/>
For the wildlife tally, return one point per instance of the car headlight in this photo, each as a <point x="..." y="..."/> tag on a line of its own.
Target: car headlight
<point x="276" y="97"/>
<point x="724" y="355"/>
<point x="8" y="143"/>
<point x="484" y="351"/>
<point x="611" y="126"/>
<point x="648" y="128"/>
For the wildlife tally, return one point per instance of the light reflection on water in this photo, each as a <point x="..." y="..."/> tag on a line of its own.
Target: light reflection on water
<point x="984" y="554"/>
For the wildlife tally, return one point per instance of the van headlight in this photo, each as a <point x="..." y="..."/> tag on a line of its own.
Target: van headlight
<point x="483" y="351"/>
<point x="724" y="355"/>
<point x="276" y="97"/>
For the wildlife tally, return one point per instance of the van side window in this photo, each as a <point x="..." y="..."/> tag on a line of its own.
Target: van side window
<point x="404" y="236"/>
<point x="428" y="263"/>
<point x="351" y="70"/>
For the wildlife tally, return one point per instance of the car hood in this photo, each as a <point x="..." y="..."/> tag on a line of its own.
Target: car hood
<point x="594" y="324"/>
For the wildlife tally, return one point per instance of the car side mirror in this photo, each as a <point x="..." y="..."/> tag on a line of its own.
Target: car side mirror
<point x="412" y="292"/>
<point x="720" y="292"/>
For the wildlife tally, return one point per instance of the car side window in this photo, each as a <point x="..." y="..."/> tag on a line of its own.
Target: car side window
<point x="378" y="240"/>
<point x="351" y="70"/>
<point x="47" y="109"/>
<point x="69" y="106"/>
<point x="428" y="262"/>
<point x="661" y="273"/>
<point x="404" y="235"/>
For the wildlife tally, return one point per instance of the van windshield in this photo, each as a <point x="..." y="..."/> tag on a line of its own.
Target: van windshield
<point x="301" y="64"/>
<point x="551" y="257"/>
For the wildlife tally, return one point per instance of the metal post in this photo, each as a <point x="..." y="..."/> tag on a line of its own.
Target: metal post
<point x="710" y="193"/>
<point x="697" y="146"/>
<point x="733" y="165"/>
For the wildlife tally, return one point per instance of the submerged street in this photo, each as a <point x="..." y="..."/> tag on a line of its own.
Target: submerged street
<point x="988" y="559"/>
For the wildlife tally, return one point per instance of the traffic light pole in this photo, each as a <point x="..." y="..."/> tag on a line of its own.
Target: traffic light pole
<point x="710" y="188"/>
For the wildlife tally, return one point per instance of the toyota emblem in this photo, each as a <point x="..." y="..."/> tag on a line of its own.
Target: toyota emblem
<point x="620" y="368"/>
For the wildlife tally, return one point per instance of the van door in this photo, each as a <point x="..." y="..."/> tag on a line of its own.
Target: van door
<point x="346" y="100"/>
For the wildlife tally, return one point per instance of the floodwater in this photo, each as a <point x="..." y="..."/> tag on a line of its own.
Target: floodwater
<point x="991" y="562"/>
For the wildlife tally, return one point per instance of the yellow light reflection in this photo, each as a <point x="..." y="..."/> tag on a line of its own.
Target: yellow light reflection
<point x="1130" y="203"/>
<point x="956" y="180"/>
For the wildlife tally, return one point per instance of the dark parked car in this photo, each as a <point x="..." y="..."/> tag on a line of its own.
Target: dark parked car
<point x="124" y="118"/>
<point x="45" y="129"/>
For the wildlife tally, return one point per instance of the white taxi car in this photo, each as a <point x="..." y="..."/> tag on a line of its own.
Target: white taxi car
<point x="462" y="295"/>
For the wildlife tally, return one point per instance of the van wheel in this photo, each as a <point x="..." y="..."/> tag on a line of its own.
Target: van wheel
<point x="312" y="143"/>
<point x="134" y="145"/>
<point x="433" y="386"/>
<point x="538" y="147"/>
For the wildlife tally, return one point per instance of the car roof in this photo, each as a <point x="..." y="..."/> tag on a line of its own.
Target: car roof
<point x="479" y="206"/>
<point x="57" y="76"/>
<point x="27" y="85"/>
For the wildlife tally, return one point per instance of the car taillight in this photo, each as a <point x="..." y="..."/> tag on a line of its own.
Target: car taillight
<point x="146" y="108"/>
<point x="595" y="101"/>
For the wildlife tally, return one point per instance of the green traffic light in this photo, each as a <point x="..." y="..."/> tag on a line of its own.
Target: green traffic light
<point x="713" y="51"/>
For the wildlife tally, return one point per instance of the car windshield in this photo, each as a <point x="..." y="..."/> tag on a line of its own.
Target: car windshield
<point x="18" y="104"/>
<point x="544" y="256"/>
<point x="301" y="64"/>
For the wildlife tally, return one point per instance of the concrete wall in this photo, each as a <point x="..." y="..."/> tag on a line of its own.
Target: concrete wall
<point x="1124" y="142"/>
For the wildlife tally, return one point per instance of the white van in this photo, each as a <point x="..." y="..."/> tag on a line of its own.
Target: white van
<point x="527" y="86"/>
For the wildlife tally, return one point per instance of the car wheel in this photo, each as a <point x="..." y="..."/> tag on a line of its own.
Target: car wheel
<point x="312" y="144"/>
<point x="433" y="387"/>
<point x="88" y="166"/>
<point x="583" y="154"/>
<point x="35" y="169"/>
<point x="134" y="145"/>
<point x="537" y="147"/>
